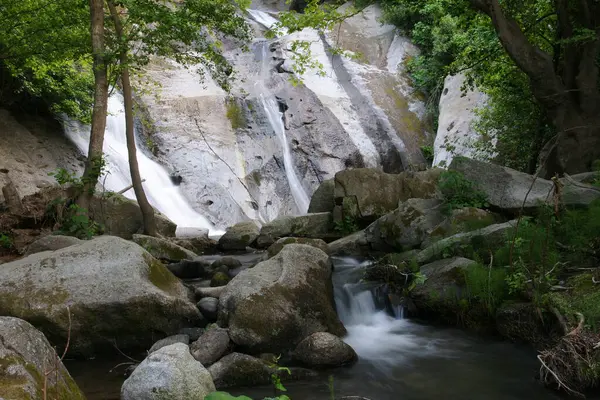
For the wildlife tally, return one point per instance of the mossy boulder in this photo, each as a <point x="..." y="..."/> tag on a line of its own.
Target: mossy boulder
<point x="239" y="236"/>
<point x="478" y="243"/>
<point x="26" y="357"/>
<point x="120" y="216"/>
<point x="441" y="294"/>
<point x="355" y="245"/>
<point x="113" y="288"/>
<point x="312" y="226"/>
<point x="374" y="193"/>
<point x="510" y="190"/>
<point x="170" y="373"/>
<point x="163" y="249"/>
<point x="237" y="369"/>
<point x="406" y="227"/>
<point x="322" y="198"/>
<point x="219" y="279"/>
<point x="276" y="247"/>
<point x="462" y="220"/>
<point x="295" y="287"/>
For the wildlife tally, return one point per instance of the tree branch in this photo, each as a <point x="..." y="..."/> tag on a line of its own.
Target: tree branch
<point x="537" y="64"/>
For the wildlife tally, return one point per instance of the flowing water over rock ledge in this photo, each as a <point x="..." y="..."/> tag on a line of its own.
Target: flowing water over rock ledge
<point x="397" y="357"/>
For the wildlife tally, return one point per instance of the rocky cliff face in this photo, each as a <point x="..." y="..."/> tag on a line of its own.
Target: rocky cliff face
<point x="455" y="134"/>
<point x="30" y="148"/>
<point x="228" y="151"/>
<point x="260" y="150"/>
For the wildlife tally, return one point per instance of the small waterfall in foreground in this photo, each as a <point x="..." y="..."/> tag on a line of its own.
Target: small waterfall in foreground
<point x="378" y="337"/>
<point x="160" y="190"/>
<point x="275" y="115"/>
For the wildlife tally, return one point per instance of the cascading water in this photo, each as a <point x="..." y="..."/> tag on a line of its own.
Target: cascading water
<point x="160" y="190"/>
<point x="276" y="120"/>
<point x="377" y="337"/>
<point x="275" y="116"/>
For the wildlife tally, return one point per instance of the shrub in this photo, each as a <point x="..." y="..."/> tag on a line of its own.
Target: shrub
<point x="486" y="286"/>
<point x="347" y="225"/>
<point x="5" y="241"/>
<point x="428" y="153"/>
<point x="459" y="192"/>
<point x="235" y="115"/>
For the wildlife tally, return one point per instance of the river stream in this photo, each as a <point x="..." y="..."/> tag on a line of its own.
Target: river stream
<point x="398" y="359"/>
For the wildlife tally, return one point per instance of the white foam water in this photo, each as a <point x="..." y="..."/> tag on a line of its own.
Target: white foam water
<point x="382" y="339"/>
<point x="160" y="190"/>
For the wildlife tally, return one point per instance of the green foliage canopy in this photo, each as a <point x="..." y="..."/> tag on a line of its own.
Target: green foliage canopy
<point x="45" y="46"/>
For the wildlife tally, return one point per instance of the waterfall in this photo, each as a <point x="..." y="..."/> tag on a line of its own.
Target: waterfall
<point x="275" y="117"/>
<point x="377" y="336"/>
<point x="160" y="190"/>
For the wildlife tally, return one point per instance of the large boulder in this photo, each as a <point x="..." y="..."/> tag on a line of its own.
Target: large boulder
<point x="163" y="249"/>
<point x="365" y="194"/>
<point x="276" y="247"/>
<point x="355" y="245"/>
<point x="211" y="346"/>
<point x="169" y="373"/>
<point x="510" y="190"/>
<point x="312" y="226"/>
<point x="407" y="226"/>
<point x="239" y="236"/>
<point x="237" y="369"/>
<point x="26" y="357"/>
<point x="295" y="286"/>
<point x="479" y="242"/>
<point x="114" y="289"/>
<point x="322" y="198"/>
<point x="439" y="295"/>
<point x="51" y="243"/>
<point x="120" y="216"/>
<point x="323" y="349"/>
<point x="455" y="134"/>
<point x="459" y="221"/>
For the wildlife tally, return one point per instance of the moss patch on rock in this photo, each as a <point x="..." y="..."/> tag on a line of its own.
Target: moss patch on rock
<point x="160" y="276"/>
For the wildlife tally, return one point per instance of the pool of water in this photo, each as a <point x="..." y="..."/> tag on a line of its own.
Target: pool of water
<point x="398" y="359"/>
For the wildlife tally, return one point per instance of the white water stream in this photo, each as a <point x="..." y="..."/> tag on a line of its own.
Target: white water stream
<point x="160" y="190"/>
<point x="275" y="116"/>
<point x="382" y="339"/>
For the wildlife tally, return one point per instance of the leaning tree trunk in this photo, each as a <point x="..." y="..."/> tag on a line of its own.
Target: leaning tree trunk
<point x="94" y="161"/>
<point x="136" y="180"/>
<point x="565" y="84"/>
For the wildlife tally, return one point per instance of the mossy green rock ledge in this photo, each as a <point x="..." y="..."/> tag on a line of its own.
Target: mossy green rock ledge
<point x="25" y="358"/>
<point x="115" y="290"/>
<point x="272" y="307"/>
<point x="163" y="249"/>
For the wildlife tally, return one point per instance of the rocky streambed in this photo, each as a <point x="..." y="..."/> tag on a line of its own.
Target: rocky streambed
<point x="301" y="292"/>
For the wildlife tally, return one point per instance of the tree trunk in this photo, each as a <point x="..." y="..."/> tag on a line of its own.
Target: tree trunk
<point x="569" y="91"/>
<point x="94" y="161"/>
<point x="136" y="180"/>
